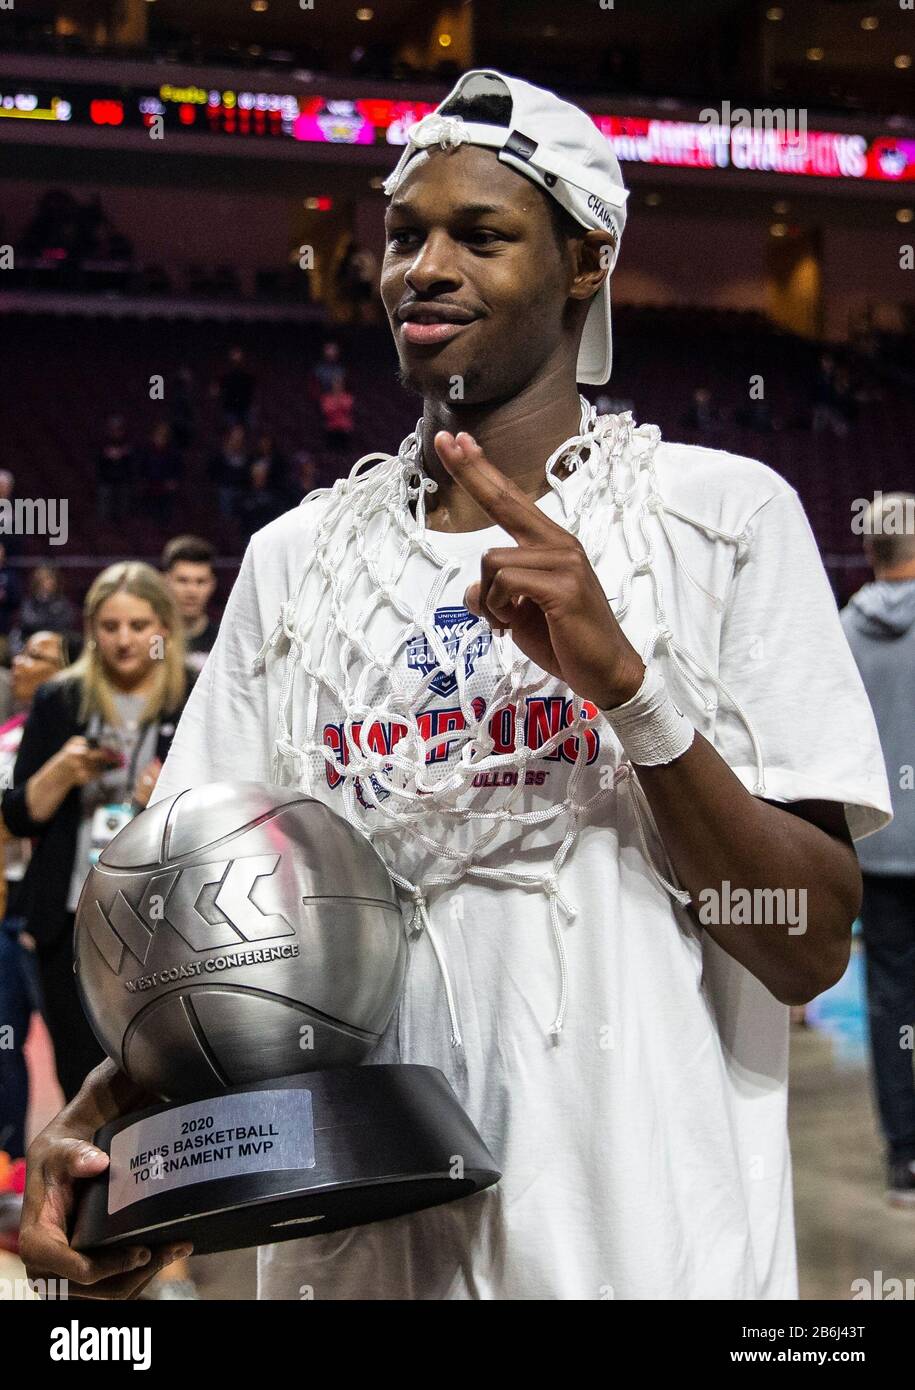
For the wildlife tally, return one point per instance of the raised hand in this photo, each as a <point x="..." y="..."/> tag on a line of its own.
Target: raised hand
<point x="543" y="588"/>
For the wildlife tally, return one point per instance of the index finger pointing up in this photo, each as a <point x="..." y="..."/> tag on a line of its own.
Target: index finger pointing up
<point x="500" y="498"/>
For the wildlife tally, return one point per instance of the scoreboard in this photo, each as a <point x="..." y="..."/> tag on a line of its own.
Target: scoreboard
<point x="253" y="115"/>
<point x="200" y="110"/>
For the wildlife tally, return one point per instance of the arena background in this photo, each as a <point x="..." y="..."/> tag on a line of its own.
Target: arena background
<point x="184" y="178"/>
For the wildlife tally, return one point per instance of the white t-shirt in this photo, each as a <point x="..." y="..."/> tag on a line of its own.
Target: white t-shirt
<point x="644" y="1155"/>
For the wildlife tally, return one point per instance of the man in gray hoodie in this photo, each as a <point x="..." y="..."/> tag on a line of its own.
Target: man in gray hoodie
<point x="879" y="623"/>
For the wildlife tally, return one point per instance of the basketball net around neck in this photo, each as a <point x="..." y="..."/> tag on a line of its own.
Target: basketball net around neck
<point x="370" y="525"/>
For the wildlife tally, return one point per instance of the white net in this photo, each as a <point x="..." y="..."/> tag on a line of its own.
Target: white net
<point x="367" y="601"/>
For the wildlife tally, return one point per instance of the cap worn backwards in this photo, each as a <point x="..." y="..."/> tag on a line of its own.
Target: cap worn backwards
<point x="558" y="147"/>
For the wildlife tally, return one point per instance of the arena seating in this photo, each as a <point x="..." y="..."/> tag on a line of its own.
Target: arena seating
<point x="57" y="399"/>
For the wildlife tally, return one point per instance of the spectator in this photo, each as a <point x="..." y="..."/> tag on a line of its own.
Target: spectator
<point x="183" y="413"/>
<point x="327" y="373"/>
<point x="20" y="988"/>
<point x="845" y="402"/>
<point x="266" y="451"/>
<point x="228" y="468"/>
<point x="72" y="795"/>
<point x="304" y="475"/>
<point x="702" y="414"/>
<point x="337" y="411"/>
<point x="880" y="625"/>
<point x="162" y="469"/>
<point x="261" y="503"/>
<point x="356" y="279"/>
<point x="44" y="607"/>
<point x="56" y="227"/>
<point x="10" y="593"/>
<point x="827" y="401"/>
<point x="187" y="563"/>
<point x="67" y="231"/>
<point x="115" y="471"/>
<point x="236" y="387"/>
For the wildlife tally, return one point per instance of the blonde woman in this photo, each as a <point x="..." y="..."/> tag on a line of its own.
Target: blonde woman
<point x="91" y="751"/>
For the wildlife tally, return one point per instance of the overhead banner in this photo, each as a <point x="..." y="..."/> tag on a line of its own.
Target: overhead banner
<point x="761" y="142"/>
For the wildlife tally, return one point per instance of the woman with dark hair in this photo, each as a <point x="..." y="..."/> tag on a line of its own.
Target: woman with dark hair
<point x="91" y="751"/>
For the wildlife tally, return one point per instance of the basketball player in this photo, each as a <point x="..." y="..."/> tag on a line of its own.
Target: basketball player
<point x="588" y="694"/>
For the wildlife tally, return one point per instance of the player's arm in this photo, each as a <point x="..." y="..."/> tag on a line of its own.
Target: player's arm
<point x="717" y="833"/>
<point x="714" y="830"/>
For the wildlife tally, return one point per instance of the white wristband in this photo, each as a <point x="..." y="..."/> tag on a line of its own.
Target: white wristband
<point x="649" y="726"/>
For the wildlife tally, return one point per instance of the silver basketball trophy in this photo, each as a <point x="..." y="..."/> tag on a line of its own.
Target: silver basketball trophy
<point x="239" y="951"/>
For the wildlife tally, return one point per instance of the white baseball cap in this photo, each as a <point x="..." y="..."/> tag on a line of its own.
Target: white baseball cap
<point x="558" y="147"/>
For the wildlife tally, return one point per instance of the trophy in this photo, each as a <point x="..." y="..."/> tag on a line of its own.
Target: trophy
<point x="239" y="951"/>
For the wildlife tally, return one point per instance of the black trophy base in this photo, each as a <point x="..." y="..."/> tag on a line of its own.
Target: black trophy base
<point x="365" y="1144"/>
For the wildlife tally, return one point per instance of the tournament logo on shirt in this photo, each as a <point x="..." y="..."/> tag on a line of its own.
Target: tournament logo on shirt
<point x="539" y="723"/>
<point x="452" y="623"/>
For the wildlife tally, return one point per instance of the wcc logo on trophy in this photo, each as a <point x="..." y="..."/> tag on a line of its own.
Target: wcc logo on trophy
<point x="208" y="905"/>
<point x="239" y="951"/>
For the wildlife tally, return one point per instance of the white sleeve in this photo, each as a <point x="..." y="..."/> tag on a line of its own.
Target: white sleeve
<point x="224" y="731"/>
<point x="785" y="659"/>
